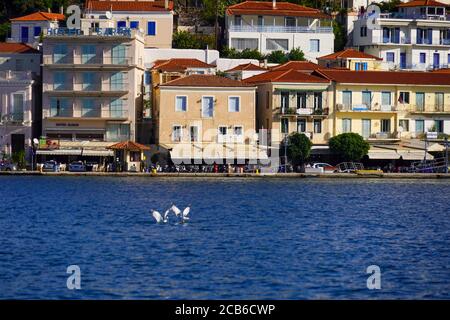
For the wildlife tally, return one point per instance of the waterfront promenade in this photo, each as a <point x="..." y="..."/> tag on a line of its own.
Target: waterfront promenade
<point x="238" y="175"/>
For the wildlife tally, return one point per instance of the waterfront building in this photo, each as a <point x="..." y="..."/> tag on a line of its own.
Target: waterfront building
<point x="244" y="71"/>
<point x="290" y="101"/>
<point x="417" y="37"/>
<point x="388" y="106"/>
<point x="92" y="86"/>
<point x="154" y="19"/>
<point x="19" y="97"/>
<point x="269" y="26"/>
<point x="30" y="28"/>
<point x="350" y="59"/>
<point x="206" y="116"/>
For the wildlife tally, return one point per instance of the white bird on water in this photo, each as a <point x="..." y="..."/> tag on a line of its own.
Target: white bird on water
<point x="159" y="218"/>
<point x="175" y="209"/>
<point x="165" y="218"/>
<point x="186" y="212"/>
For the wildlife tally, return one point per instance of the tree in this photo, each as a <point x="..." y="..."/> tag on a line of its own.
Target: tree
<point x="340" y="36"/>
<point x="232" y="53"/>
<point x="277" y="56"/>
<point x="296" y="54"/>
<point x="298" y="149"/>
<point x="389" y="5"/>
<point x="19" y="159"/>
<point x="187" y="40"/>
<point x="349" y="146"/>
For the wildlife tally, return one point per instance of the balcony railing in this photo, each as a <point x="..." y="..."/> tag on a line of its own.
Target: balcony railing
<point x="104" y="32"/>
<point x="12" y="118"/>
<point x="84" y="61"/>
<point x="16" y="75"/>
<point x="398" y="15"/>
<point x="86" y="113"/>
<point x="281" y="29"/>
<point x="81" y="87"/>
<point x="230" y="138"/>
<point x="303" y="111"/>
<point x="428" y="108"/>
<point x="365" y="108"/>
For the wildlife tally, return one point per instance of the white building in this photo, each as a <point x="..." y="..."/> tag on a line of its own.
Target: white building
<point x="19" y="96"/>
<point x="417" y="37"/>
<point x="28" y="29"/>
<point x="270" y="26"/>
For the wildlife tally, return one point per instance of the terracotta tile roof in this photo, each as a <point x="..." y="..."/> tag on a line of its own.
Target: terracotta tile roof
<point x="446" y="70"/>
<point x="128" y="145"/>
<point x="297" y="65"/>
<point x="285" y="76"/>
<point x="281" y="9"/>
<point x="180" y="64"/>
<point x="132" y="6"/>
<point x="10" y="47"/>
<point x="386" y="77"/>
<point x="348" y="53"/>
<point x="247" y="67"/>
<point x="422" y="3"/>
<point x="41" y="16"/>
<point x="204" y="80"/>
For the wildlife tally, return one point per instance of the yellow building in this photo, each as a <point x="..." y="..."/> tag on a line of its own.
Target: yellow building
<point x="206" y="117"/>
<point x="292" y="101"/>
<point x="383" y="105"/>
<point x="351" y="59"/>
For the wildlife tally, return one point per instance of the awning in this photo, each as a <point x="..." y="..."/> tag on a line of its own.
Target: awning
<point x="217" y="152"/>
<point x="383" y="154"/>
<point x="60" y="152"/>
<point x="414" y="155"/>
<point x="98" y="153"/>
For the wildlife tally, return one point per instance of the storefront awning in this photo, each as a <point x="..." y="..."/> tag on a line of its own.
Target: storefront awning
<point x="383" y="155"/>
<point x="60" y="152"/>
<point x="98" y="153"/>
<point x="414" y="155"/>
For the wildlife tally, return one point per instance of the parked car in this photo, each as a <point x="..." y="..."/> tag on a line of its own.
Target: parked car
<point x="91" y="165"/>
<point x="7" y="166"/>
<point x="327" y="168"/>
<point x="51" y="166"/>
<point x="77" y="166"/>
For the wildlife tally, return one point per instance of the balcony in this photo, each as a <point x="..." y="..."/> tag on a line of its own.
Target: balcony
<point x="15" y="118"/>
<point x="230" y="138"/>
<point x="87" y="114"/>
<point x="303" y="111"/>
<point x="429" y="108"/>
<point x="365" y="108"/>
<point x="279" y="29"/>
<point x="91" y="32"/>
<point x="91" y="62"/>
<point x="398" y="15"/>
<point x="384" y="136"/>
<point x="10" y="75"/>
<point x="85" y="89"/>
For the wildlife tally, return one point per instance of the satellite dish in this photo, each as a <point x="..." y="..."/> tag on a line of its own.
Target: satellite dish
<point x="109" y="15"/>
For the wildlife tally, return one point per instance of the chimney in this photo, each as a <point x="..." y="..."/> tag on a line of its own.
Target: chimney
<point x="166" y="4"/>
<point x="274" y="4"/>
<point x="61" y="10"/>
<point x="265" y="63"/>
<point x="206" y="54"/>
<point x="48" y="10"/>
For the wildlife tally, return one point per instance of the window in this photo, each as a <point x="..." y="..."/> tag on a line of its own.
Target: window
<point x="422" y="57"/>
<point x="301" y="125"/>
<point x="238" y="131"/>
<point x="147" y="78"/>
<point x="404" y="123"/>
<point x="420" y="101"/>
<point x="260" y="21"/>
<point x="88" y="53"/>
<point x="89" y="81"/>
<point x="181" y="103"/>
<point x="89" y="109"/>
<point x="37" y="31"/>
<point x="284" y="95"/>
<point x="289" y="21"/>
<point x="59" y="80"/>
<point x="385" y="98"/>
<point x="347" y="99"/>
<point x="317" y="101"/>
<point x="222" y="131"/>
<point x="134" y="24"/>
<point x="151" y="28"/>
<point x="314" y="45"/>
<point x="420" y="126"/>
<point x="439" y="126"/>
<point x="448" y="58"/>
<point x="117" y="132"/>
<point x="346" y="125"/>
<point x="18" y="103"/>
<point x="233" y="104"/>
<point x="403" y="97"/>
<point x="116" y="108"/>
<point x="244" y="43"/>
<point x="193" y="133"/>
<point x="59" y="53"/>
<point x="237" y="20"/>
<point x="390" y="57"/>
<point x="317" y="126"/>
<point x="367" y="99"/>
<point x="301" y="100"/>
<point x="363" y="31"/>
<point x="121" y="24"/>
<point x="118" y="54"/>
<point x="176" y="133"/>
<point x="59" y="107"/>
<point x="277" y="44"/>
<point x="116" y="81"/>
<point x="207" y="107"/>
<point x="361" y="66"/>
<point x="386" y="33"/>
<point x="366" y="128"/>
<point x="439" y="101"/>
<point x="385" y="125"/>
<point x="285" y="125"/>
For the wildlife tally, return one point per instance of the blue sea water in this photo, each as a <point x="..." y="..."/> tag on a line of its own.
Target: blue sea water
<point x="247" y="238"/>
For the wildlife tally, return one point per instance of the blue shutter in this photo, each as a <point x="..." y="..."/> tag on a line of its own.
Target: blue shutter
<point x="134" y="24"/>
<point x="430" y="36"/>
<point x="151" y="28"/>
<point x="37" y="31"/>
<point x="121" y="24"/>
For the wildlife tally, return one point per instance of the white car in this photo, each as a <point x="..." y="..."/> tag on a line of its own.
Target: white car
<point x="327" y="168"/>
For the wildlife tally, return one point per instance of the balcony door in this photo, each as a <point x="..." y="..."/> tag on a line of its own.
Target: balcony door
<point x="436" y="60"/>
<point x="420" y="101"/>
<point x="402" y="60"/>
<point x="366" y="128"/>
<point x="18" y="106"/>
<point x="301" y="100"/>
<point x="284" y="101"/>
<point x="24" y="34"/>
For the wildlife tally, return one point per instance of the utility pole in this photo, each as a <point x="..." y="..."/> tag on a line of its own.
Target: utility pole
<point x="446" y="154"/>
<point x="216" y="26"/>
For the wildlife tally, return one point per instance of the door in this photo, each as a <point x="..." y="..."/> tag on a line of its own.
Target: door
<point x="17" y="143"/>
<point x="420" y="101"/>
<point x="366" y="128"/>
<point x="24" y="34"/>
<point x="284" y="101"/>
<point x="402" y="60"/>
<point x="436" y="60"/>
<point x="194" y="133"/>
